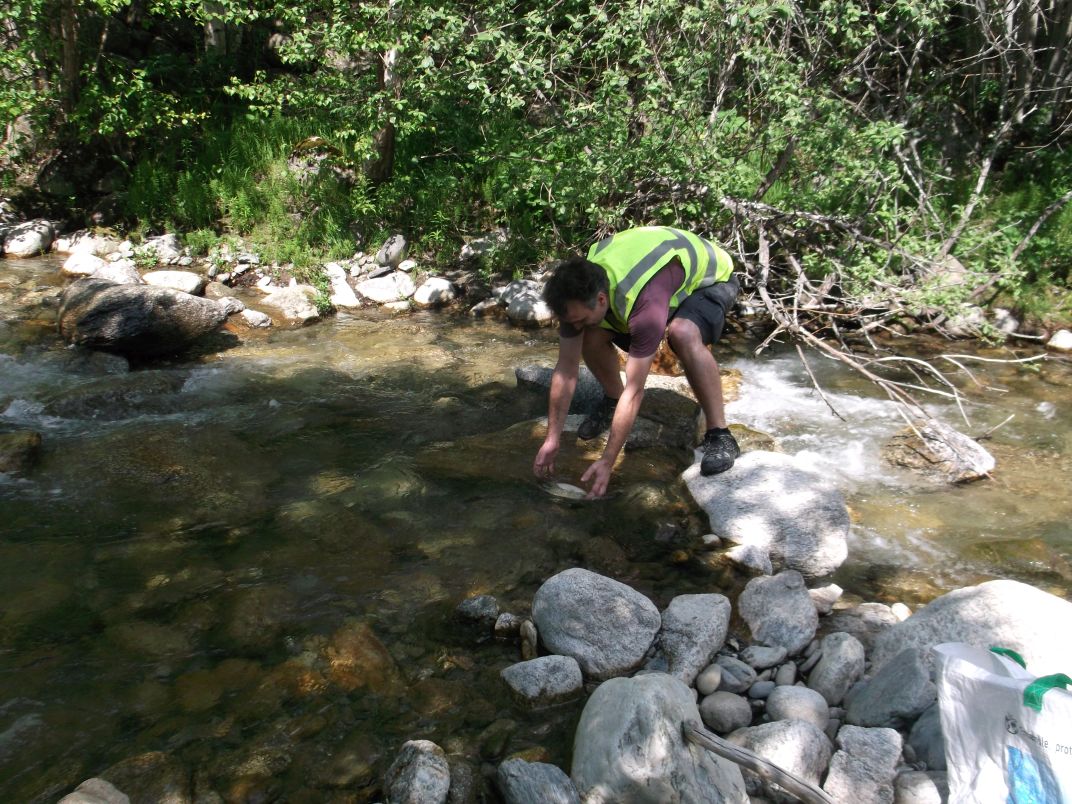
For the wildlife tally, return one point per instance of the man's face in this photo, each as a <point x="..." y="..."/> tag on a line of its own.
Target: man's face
<point x="579" y="315"/>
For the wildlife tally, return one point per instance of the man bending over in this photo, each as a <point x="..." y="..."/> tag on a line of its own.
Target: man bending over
<point x="633" y="288"/>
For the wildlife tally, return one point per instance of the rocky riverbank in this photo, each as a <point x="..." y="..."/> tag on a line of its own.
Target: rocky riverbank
<point x="842" y="697"/>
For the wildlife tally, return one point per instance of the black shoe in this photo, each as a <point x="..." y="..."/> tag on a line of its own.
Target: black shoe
<point x="598" y="421"/>
<point x="720" y="450"/>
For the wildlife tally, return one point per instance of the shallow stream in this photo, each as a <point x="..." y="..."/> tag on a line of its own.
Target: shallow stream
<point x="248" y="560"/>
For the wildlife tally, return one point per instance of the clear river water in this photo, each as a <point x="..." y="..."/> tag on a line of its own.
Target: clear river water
<point x="241" y="567"/>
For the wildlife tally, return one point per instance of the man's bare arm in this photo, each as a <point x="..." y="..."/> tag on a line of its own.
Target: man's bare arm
<point x="625" y="414"/>
<point x="563" y="385"/>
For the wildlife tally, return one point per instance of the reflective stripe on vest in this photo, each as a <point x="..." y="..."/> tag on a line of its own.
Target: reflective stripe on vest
<point x="631" y="258"/>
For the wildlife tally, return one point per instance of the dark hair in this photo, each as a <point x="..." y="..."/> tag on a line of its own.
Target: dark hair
<point x="574" y="279"/>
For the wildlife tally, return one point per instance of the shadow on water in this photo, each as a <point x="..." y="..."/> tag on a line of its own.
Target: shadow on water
<point x="242" y="562"/>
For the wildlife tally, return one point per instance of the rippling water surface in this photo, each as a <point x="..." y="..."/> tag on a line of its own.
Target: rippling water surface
<point x="248" y="560"/>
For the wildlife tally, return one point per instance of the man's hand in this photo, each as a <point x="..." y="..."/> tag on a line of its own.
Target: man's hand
<point x="544" y="465"/>
<point x="599" y="476"/>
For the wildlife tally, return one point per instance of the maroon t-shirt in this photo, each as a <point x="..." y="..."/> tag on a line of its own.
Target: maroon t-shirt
<point x="650" y="314"/>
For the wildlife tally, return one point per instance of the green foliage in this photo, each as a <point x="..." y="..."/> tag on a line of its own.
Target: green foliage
<point x="563" y="121"/>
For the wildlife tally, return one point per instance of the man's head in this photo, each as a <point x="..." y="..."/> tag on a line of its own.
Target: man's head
<point x="577" y="292"/>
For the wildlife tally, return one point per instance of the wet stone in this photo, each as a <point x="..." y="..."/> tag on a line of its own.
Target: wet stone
<point x="419" y="775"/>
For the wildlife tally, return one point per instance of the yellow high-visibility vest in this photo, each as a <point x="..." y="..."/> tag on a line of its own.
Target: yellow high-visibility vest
<point x="631" y="258"/>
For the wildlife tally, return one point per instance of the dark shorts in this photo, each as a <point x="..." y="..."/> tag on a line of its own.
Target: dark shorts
<point x="707" y="308"/>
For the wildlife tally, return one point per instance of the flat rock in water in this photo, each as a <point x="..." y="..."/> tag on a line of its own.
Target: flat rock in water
<point x="186" y="281"/>
<point x="393" y="287"/>
<point x="82" y="263"/>
<point x="942" y="452"/>
<point x="586" y="396"/>
<point x="770" y="501"/>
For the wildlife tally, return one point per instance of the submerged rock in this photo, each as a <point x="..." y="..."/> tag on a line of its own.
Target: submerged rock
<point x="419" y="775"/>
<point x="18" y="451"/>
<point x="941" y="452"/>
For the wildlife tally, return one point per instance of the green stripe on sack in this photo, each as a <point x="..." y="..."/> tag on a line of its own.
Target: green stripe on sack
<point x="1040" y="686"/>
<point x="1016" y="657"/>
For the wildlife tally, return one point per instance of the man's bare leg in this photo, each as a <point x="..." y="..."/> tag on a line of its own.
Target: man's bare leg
<point x="601" y="357"/>
<point x="701" y="369"/>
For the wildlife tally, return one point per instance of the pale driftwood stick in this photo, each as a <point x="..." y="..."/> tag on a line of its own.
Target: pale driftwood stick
<point x="795" y="786"/>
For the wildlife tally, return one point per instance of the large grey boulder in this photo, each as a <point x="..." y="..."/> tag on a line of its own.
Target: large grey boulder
<point x="1061" y="341"/>
<point x="29" y="239"/>
<point x="897" y="694"/>
<point x="86" y="242"/>
<point x="165" y="249"/>
<point x="544" y="681"/>
<point x="779" y="611"/>
<point x="524" y="303"/>
<point x="420" y="774"/>
<point x="1008" y="614"/>
<point x="772" y="502"/>
<point x="603" y="624"/>
<point x="793" y="745"/>
<point x="694" y="628"/>
<point x="629" y="748"/>
<point x="865" y="765"/>
<point x="841" y="666"/>
<point x="936" y="449"/>
<point x="522" y="782"/>
<point x="134" y="319"/>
